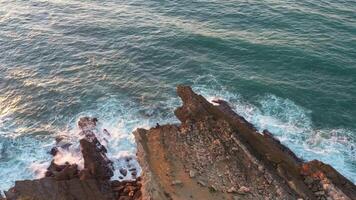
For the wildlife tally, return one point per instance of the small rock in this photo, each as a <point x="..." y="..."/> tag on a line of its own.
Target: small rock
<point x="319" y="193"/>
<point x="202" y="183"/>
<point x="308" y="180"/>
<point x="216" y="142"/>
<point x="131" y="193"/>
<point x="236" y="198"/>
<point x="212" y="188"/>
<point x="59" y="139"/>
<point x="243" y="190"/>
<point x="124" y="198"/>
<point x="231" y="190"/>
<point x="123" y="171"/>
<point x="54" y="151"/>
<point x="315" y="188"/>
<point x="177" y="182"/>
<point x="66" y="146"/>
<point x="192" y="173"/>
<point x="261" y="168"/>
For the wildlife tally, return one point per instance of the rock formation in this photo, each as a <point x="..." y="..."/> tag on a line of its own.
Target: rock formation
<point x="67" y="182"/>
<point x="216" y="154"/>
<point x="213" y="154"/>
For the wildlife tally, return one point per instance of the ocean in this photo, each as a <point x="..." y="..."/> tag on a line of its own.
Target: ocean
<point x="286" y="66"/>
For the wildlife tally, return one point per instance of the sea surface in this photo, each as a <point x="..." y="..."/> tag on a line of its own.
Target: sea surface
<point x="287" y="66"/>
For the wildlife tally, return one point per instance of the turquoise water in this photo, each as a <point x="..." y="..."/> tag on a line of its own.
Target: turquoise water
<point x="287" y="66"/>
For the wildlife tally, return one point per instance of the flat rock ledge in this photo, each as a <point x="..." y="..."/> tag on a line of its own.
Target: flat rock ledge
<point x="213" y="154"/>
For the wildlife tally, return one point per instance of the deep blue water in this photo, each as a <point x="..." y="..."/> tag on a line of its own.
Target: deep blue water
<point x="289" y="66"/>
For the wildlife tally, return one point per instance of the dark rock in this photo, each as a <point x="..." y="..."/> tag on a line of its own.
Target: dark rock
<point x="138" y="195"/>
<point x="66" y="146"/>
<point x="85" y="174"/>
<point x="123" y="171"/>
<point x="69" y="172"/>
<point x="66" y="181"/>
<point x="125" y="198"/>
<point x="87" y="123"/>
<point x="95" y="159"/>
<point x="51" y="189"/>
<point x="54" y="151"/>
<point x="54" y="168"/>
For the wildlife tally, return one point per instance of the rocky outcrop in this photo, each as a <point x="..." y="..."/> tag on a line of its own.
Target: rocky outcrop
<point x="96" y="164"/>
<point x="67" y="182"/>
<point x="213" y="154"/>
<point x="216" y="154"/>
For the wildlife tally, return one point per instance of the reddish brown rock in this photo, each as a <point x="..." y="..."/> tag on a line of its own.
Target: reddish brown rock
<point x="227" y="152"/>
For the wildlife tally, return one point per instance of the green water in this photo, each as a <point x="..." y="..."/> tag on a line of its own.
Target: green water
<point x="287" y="66"/>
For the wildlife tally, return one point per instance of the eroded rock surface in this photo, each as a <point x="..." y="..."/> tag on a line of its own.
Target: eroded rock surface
<point x="216" y="154"/>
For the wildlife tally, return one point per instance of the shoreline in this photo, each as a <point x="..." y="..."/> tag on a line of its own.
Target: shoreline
<point x="213" y="154"/>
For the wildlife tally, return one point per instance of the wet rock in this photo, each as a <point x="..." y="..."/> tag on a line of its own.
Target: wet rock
<point x="95" y="159"/>
<point x="65" y="181"/>
<point x="87" y="123"/>
<point x="123" y="171"/>
<point x="69" y="172"/>
<point x="66" y="146"/>
<point x="132" y="169"/>
<point x="53" y="151"/>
